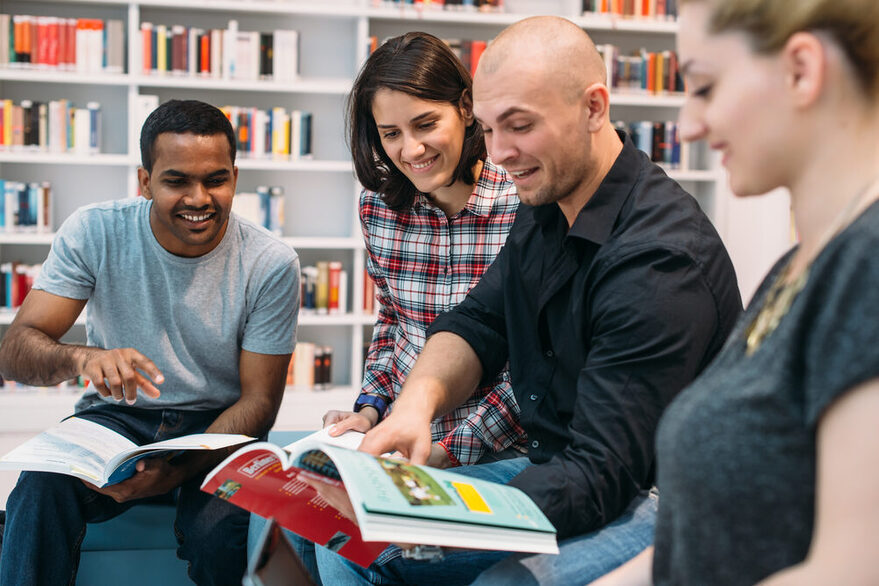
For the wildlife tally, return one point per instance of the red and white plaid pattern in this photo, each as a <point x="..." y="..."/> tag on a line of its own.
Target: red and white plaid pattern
<point x="424" y="263"/>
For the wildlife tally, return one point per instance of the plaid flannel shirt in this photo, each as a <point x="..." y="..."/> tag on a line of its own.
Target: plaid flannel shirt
<point x="424" y="263"/>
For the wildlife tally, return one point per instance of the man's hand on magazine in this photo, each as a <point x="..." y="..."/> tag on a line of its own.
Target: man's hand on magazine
<point x="120" y="372"/>
<point x="406" y="431"/>
<point x="154" y="476"/>
<point x="343" y="421"/>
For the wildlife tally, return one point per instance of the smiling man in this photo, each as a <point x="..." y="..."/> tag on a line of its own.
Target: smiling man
<point x="191" y="321"/>
<point x="612" y="292"/>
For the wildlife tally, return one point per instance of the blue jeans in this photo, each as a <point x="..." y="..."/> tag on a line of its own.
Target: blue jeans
<point x="581" y="559"/>
<point x="306" y="549"/>
<point x="47" y="513"/>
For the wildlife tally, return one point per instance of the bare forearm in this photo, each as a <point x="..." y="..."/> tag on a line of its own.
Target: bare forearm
<point x="29" y="356"/>
<point x="444" y="376"/>
<point x="252" y="417"/>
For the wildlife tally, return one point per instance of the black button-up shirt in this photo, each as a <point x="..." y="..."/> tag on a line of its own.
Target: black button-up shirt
<point x="602" y="325"/>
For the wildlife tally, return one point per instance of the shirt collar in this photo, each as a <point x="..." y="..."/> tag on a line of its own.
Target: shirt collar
<point x="596" y="220"/>
<point x="480" y="201"/>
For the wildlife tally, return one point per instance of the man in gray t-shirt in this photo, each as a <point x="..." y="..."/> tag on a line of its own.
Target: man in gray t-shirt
<point x="191" y="319"/>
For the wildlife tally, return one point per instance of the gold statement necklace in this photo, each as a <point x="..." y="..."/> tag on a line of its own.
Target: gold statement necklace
<point x="783" y="291"/>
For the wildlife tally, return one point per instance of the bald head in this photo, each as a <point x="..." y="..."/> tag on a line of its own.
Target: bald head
<point x="548" y="46"/>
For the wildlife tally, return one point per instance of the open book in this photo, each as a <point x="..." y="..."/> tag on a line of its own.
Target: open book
<point x="99" y="455"/>
<point x="393" y="501"/>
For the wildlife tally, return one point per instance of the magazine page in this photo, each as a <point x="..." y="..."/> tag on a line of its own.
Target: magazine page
<point x="75" y="446"/>
<point x="260" y="479"/>
<point x="399" y="488"/>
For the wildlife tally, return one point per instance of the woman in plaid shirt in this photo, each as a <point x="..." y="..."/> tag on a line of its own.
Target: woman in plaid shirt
<point x="434" y="214"/>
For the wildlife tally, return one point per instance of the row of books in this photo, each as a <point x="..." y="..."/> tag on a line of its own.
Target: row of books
<point x="324" y="288"/>
<point x="271" y="134"/>
<point x="655" y="72"/>
<point x="311" y="366"/>
<point x="661" y="141"/>
<point x="656" y="9"/>
<point x="56" y="126"/>
<point x="84" y="45"/>
<point x="25" y="207"/>
<point x="466" y="5"/>
<point x="16" y="280"/>
<point x="220" y="53"/>
<point x="264" y="207"/>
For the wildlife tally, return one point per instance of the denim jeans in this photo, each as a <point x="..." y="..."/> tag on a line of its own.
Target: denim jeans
<point x="47" y="513"/>
<point x="581" y="559"/>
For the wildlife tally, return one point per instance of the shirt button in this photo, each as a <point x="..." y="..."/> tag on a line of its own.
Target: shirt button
<point x="535" y="444"/>
<point x="533" y="397"/>
<point x="548" y="353"/>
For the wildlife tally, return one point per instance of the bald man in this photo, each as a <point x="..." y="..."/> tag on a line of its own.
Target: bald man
<point x="612" y="293"/>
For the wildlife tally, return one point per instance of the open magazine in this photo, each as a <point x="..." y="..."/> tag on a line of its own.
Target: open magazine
<point x="88" y="450"/>
<point x="393" y="501"/>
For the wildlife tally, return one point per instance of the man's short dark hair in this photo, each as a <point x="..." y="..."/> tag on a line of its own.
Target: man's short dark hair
<point x="181" y="117"/>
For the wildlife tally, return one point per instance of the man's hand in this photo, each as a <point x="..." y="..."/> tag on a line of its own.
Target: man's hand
<point x="348" y="420"/>
<point x="406" y="431"/>
<point x="115" y="373"/>
<point x="153" y="476"/>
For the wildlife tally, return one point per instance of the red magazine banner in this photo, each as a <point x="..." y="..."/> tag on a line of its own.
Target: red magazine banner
<point x="257" y="482"/>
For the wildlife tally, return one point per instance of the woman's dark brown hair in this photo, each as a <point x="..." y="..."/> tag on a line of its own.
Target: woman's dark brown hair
<point x="422" y="66"/>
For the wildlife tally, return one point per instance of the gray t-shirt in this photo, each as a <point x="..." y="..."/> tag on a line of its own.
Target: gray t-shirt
<point x="191" y="316"/>
<point x="737" y="449"/>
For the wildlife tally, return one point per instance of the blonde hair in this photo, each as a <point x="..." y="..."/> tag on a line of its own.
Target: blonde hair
<point x="853" y="24"/>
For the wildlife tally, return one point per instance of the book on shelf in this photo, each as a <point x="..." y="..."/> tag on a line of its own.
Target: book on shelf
<point x="459" y="5"/>
<point x="324" y="288"/>
<point x="311" y="366"/>
<point x="56" y="126"/>
<point x="25" y="207"/>
<point x="264" y="207"/>
<point x="634" y="9"/>
<point x="393" y="501"/>
<point x="16" y="281"/>
<point x="642" y="71"/>
<point x="94" y="453"/>
<point x="49" y="43"/>
<point x="661" y="141"/>
<point x="369" y="293"/>
<point x="229" y="53"/>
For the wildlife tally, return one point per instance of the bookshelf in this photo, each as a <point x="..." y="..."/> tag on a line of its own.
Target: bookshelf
<point x="320" y="193"/>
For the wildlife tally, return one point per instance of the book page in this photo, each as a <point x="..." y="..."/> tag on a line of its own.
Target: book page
<point x="78" y="446"/>
<point x="350" y="439"/>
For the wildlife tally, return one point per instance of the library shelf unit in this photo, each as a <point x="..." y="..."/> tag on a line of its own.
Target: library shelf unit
<point x="321" y="193"/>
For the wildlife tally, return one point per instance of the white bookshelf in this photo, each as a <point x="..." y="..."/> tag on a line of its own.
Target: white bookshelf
<point x="321" y="193"/>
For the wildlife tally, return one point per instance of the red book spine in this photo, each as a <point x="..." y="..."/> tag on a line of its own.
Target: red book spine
<point x="205" y="54"/>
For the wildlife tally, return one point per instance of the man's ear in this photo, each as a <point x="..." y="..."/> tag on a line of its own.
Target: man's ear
<point x="804" y="58"/>
<point x="143" y="180"/>
<point x="596" y="103"/>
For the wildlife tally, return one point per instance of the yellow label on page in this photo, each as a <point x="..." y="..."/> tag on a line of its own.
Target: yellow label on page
<point x="472" y="499"/>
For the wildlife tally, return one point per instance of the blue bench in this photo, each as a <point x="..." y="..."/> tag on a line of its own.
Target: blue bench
<point x="138" y="547"/>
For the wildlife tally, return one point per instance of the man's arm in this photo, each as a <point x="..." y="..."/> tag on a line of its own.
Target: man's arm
<point x="653" y="319"/>
<point x="262" y="387"/>
<point x="32" y="354"/>
<point x="446" y="373"/>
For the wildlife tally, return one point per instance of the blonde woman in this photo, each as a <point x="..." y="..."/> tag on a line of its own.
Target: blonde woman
<point x="768" y="464"/>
